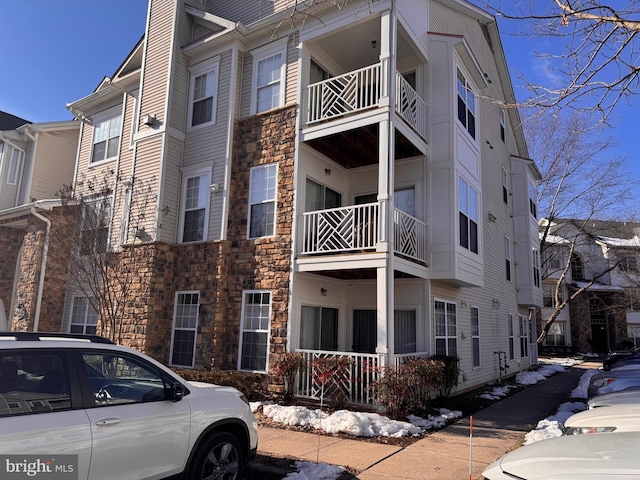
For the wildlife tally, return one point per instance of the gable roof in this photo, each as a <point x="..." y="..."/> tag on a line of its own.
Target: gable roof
<point x="11" y="122"/>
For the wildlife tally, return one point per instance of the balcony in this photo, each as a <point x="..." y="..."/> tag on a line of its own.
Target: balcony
<point x="361" y="90"/>
<point x="356" y="228"/>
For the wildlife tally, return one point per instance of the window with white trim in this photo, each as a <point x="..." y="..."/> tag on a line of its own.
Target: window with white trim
<point x="107" y="127"/>
<point x="466" y="105"/>
<point x="536" y="267"/>
<point x="533" y="200"/>
<point x="446" y="328"/>
<point x="203" y="92"/>
<point x="629" y="264"/>
<point x="507" y="257"/>
<point x="262" y="201"/>
<point x="556" y="336"/>
<point x="96" y="219"/>
<point x="524" y="336"/>
<point x="318" y="328"/>
<point x="475" y="336"/>
<point x="505" y="186"/>
<point x="512" y="347"/>
<point x="254" y="330"/>
<point x="194" y="220"/>
<point x="14" y="166"/>
<point x="269" y="70"/>
<point x="503" y="128"/>
<point x="185" y="327"/>
<point x="549" y="295"/>
<point x="633" y="299"/>
<point x="84" y="317"/>
<point x="468" y="215"/>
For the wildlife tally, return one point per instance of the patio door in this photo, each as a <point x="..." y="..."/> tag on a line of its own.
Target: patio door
<point x="319" y="328"/>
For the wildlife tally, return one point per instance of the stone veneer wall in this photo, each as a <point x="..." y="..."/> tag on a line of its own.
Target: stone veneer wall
<point x="581" y="320"/>
<point x="10" y="242"/>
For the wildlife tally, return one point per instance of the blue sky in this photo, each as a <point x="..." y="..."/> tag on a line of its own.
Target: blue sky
<point x="57" y="51"/>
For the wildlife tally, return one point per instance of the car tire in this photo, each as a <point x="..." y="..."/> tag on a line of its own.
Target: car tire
<point x="218" y="457"/>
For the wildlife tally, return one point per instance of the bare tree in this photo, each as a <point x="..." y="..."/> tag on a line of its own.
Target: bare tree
<point x="102" y="263"/>
<point x="591" y="50"/>
<point x="581" y="179"/>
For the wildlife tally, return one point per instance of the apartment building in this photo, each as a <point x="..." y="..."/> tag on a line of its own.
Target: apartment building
<point x="592" y="265"/>
<point x="334" y="181"/>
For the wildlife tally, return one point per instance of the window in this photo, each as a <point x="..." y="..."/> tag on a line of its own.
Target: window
<point x="507" y="257"/>
<point x="468" y="206"/>
<point x="629" y="264"/>
<point x="503" y="131"/>
<point x="524" y="336"/>
<point x="195" y="206"/>
<point x="533" y="200"/>
<point x="118" y="378"/>
<point x="320" y="197"/>
<point x="254" y="331"/>
<point x="268" y="77"/>
<point x="106" y="135"/>
<point x="319" y="328"/>
<point x="404" y="336"/>
<point x="549" y="295"/>
<point x="553" y="257"/>
<point x="475" y="335"/>
<point x="512" y="350"/>
<point x="84" y="317"/>
<point x="505" y="186"/>
<point x="577" y="271"/>
<point x="446" y="331"/>
<point x="536" y="267"/>
<point x="203" y="92"/>
<point x="262" y="201"/>
<point x="633" y="299"/>
<point x="14" y="166"/>
<point x="185" y="326"/>
<point x="38" y="382"/>
<point x="466" y="105"/>
<point x="95" y="227"/>
<point x="317" y="72"/>
<point x="556" y="335"/>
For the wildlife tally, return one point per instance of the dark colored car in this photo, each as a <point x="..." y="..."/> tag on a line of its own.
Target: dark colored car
<point x="615" y="357"/>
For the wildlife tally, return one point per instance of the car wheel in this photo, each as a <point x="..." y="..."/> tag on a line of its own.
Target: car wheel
<point x="219" y="458"/>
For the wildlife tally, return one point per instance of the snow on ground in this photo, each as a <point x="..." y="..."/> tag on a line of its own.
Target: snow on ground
<point x="534" y="376"/>
<point x="315" y="471"/>
<point x="583" y="385"/>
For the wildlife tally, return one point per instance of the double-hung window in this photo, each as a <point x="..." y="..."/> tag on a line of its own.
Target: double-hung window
<point x="14" y="166"/>
<point x="107" y="127"/>
<point x="185" y="327"/>
<point x="475" y="335"/>
<point x="466" y="105"/>
<point x="262" y="201"/>
<point x="533" y="200"/>
<point x="254" y="331"/>
<point x="195" y="205"/>
<point x="524" y="336"/>
<point x="203" y="92"/>
<point x="549" y="295"/>
<point x="446" y="328"/>
<point x="84" y="318"/>
<point x="95" y="225"/>
<point x="268" y="77"/>
<point x="468" y="213"/>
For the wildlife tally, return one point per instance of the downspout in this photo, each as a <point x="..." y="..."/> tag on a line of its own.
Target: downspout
<point x="43" y="266"/>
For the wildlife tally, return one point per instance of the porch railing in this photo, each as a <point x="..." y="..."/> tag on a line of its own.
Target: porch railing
<point x="354" y="384"/>
<point x="410" y="106"/>
<point x="403" y="358"/>
<point x="356" y="227"/>
<point x="347" y="93"/>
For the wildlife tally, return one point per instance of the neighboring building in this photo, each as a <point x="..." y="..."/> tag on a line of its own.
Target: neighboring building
<point x="330" y="181"/>
<point x="36" y="161"/>
<point x="603" y="268"/>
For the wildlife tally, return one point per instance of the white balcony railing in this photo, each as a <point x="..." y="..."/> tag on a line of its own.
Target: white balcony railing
<point x="344" y="94"/>
<point x="353" y="385"/>
<point x="356" y="228"/>
<point x="410" y="106"/>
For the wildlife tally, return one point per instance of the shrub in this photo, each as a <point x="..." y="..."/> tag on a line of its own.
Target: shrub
<point x="253" y="385"/>
<point x="288" y="365"/>
<point x="451" y="373"/>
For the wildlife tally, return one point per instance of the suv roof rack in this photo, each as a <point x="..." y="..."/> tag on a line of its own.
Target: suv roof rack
<point x="38" y="336"/>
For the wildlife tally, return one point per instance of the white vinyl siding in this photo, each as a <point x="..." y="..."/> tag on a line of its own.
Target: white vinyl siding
<point x="254" y="331"/>
<point x="185" y="328"/>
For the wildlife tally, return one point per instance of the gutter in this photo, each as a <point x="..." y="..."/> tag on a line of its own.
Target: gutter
<point x="43" y="266"/>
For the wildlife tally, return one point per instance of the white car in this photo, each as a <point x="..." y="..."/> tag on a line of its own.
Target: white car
<point x="105" y="412"/>
<point x="622" y="398"/>
<point x="614" y="380"/>
<point x="604" y="420"/>
<point x="574" y="457"/>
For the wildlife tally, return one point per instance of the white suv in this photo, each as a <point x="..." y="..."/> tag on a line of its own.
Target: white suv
<point x="82" y="405"/>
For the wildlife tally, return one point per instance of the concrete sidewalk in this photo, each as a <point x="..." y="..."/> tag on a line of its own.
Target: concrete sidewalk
<point x="445" y="454"/>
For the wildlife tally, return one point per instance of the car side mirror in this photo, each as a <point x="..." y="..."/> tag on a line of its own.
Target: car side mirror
<point x="177" y="392"/>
